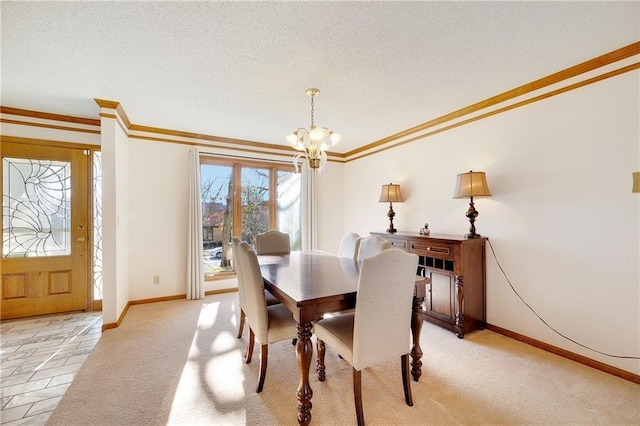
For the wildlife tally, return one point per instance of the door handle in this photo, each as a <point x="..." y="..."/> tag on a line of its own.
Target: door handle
<point x="81" y="239"/>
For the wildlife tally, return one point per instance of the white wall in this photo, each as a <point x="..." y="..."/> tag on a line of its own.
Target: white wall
<point x="562" y="219"/>
<point x="115" y="223"/>
<point x="158" y="197"/>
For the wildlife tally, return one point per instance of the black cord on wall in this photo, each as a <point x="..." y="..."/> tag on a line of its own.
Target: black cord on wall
<point x="546" y="323"/>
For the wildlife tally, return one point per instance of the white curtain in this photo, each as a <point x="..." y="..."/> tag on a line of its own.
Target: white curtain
<point x="195" y="273"/>
<point x="309" y="211"/>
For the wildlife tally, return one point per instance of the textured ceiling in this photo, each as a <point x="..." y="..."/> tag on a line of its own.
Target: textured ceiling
<point x="240" y="70"/>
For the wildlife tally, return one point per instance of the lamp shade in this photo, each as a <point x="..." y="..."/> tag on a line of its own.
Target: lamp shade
<point x="636" y="182"/>
<point x="390" y="194"/>
<point x="471" y="184"/>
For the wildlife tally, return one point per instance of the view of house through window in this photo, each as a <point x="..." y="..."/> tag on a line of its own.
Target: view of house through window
<point x="244" y="199"/>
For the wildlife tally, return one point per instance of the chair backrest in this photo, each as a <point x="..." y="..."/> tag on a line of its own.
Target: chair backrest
<point x="349" y="245"/>
<point x="372" y="245"/>
<point x="255" y="304"/>
<point x="272" y="242"/>
<point x="382" y="323"/>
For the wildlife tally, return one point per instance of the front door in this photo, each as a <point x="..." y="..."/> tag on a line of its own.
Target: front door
<point x="45" y="239"/>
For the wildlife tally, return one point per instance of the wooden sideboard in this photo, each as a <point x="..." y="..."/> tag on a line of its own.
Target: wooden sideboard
<point x="455" y="297"/>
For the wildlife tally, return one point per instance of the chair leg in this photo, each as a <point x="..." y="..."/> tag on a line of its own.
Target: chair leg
<point x="406" y="380"/>
<point x="357" y="396"/>
<point x="320" y="347"/>
<point x="252" y="338"/>
<point x="264" y="356"/>
<point x="241" y="325"/>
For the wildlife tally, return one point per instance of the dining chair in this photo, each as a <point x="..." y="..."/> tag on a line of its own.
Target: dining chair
<point x="271" y="242"/>
<point x="349" y="244"/>
<point x="366" y="247"/>
<point x="379" y="327"/>
<point x="372" y="245"/>
<point x="271" y="300"/>
<point x="267" y="324"/>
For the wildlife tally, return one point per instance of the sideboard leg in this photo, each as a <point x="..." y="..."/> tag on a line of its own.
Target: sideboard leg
<point x="459" y="288"/>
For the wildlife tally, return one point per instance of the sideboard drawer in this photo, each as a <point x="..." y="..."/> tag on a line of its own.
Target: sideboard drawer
<point x="401" y="244"/>
<point x="433" y="249"/>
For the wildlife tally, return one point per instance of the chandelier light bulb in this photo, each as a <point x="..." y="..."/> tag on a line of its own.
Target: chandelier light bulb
<point x="335" y="137"/>
<point x="292" y="138"/>
<point x="316" y="134"/>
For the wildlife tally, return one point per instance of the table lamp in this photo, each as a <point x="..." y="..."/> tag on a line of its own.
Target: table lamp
<point x="472" y="184"/>
<point x="390" y="194"/>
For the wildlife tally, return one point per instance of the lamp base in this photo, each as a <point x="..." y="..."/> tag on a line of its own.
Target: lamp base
<point x="472" y="214"/>
<point x="391" y="214"/>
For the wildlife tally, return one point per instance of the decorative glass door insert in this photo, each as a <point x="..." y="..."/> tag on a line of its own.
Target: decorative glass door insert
<point x="36" y="219"/>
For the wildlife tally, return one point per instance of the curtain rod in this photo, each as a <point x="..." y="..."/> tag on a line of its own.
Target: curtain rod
<point x="240" y="157"/>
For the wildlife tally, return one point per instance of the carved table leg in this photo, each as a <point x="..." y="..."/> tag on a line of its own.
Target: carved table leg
<point x="304" y="352"/>
<point x="416" y="328"/>
<point x="459" y="287"/>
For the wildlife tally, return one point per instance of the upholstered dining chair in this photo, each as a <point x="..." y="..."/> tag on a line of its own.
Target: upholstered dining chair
<point x="379" y="328"/>
<point x="271" y="300"/>
<point x="271" y="242"/>
<point x="349" y="245"/>
<point x="372" y="245"/>
<point x="367" y="247"/>
<point x="267" y="324"/>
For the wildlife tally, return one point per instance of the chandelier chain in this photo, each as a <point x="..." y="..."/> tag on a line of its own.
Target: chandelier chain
<point x="312" y="124"/>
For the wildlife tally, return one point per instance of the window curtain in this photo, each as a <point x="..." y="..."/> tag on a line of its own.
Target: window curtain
<point x="309" y="211"/>
<point x="195" y="273"/>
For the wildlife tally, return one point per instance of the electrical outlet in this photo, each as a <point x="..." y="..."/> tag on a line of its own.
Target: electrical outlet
<point x="156" y="280"/>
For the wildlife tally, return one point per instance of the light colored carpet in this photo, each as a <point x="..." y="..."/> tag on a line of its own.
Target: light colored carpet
<point x="179" y="363"/>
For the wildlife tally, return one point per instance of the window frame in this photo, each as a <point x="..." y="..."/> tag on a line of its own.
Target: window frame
<point x="237" y="164"/>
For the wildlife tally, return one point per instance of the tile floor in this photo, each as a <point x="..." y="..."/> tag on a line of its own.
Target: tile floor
<point x="39" y="358"/>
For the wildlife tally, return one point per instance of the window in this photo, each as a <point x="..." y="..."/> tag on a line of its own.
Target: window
<point x="244" y="199"/>
<point x="97" y="227"/>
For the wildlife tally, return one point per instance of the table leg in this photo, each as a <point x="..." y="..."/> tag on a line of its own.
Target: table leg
<point x="416" y="328"/>
<point x="304" y="352"/>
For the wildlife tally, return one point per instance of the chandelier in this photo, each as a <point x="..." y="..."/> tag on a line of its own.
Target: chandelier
<point x="313" y="142"/>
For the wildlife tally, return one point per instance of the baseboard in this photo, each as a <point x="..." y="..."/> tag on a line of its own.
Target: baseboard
<point x="221" y="291"/>
<point x="157" y="299"/>
<point x="566" y="354"/>
<point x="111" y="325"/>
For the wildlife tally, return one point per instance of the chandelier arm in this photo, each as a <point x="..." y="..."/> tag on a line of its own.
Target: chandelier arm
<point x="296" y="160"/>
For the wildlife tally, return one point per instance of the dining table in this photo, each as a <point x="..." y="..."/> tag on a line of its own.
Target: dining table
<point x="312" y="283"/>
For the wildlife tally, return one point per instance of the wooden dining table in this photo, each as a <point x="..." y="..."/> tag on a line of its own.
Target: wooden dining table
<point x="312" y="283"/>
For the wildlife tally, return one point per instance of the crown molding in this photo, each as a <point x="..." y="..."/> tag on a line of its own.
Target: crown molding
<point x="486" y="108"/>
